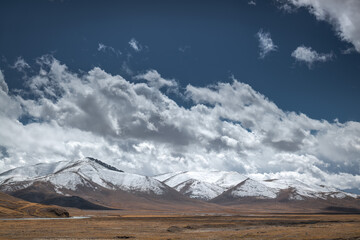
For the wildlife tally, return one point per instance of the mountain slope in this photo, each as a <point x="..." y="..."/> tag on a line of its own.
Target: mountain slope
<point x="30" y="172"/>
<point x="11" y="207"/>
<point x="199" y="189"/>
<point x="201" y="185"/>
<point x="252" y="188"/>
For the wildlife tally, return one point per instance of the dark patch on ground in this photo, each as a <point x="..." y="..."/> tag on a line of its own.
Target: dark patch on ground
<point x="343" y="209"/>
<point x="174" y="229"/>
<point x="351" y="238"/>
<point x="74" y="201"/>
<point x="60" y="212"/>
<point x="194" y="227"/>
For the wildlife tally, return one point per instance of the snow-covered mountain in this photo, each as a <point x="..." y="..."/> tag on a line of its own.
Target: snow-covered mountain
<point x="87" y="172"/>
<point x="252" y="188"/>
<point x="214" y="184"/>
<point x="31" y="172"/>
<point x="201" y="185"/>
<point x="301" y="190"/>
<point x="92" y="184"/>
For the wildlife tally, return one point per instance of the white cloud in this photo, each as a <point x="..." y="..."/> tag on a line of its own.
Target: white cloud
<point x="139" y="128"/>
<point x="9" y="106"/>
<point x="134" y="44"/>
<point x="155" y="80"/>
<point x="20" y="64"/>
<point x="103" y="48"/>
<point x="310" y="56"/>
<point x="252" y="2"/>
<point x="3" y="85"/>
<point x="266" y="44"/>
<point x="342" y="15"/>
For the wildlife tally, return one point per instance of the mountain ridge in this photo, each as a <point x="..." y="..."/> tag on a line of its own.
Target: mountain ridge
<point x="97" y="185"/>
<point x="270" y="188"/>
<point x="94" y="182"/>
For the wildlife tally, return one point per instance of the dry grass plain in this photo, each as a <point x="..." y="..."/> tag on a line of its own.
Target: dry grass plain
<point x="147" y="225"/>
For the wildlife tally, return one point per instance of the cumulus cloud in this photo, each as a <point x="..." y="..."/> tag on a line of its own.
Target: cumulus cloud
<point x="134" y="44"/>
<point x="342" y="15"/>
<point x="252" y="2"/>
<point x="137" y="127"/>
<point x="310" y="56"/>
<point x="266" y="44"/>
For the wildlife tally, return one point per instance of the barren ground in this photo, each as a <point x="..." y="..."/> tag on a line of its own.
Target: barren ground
<point x="147" y="225"/>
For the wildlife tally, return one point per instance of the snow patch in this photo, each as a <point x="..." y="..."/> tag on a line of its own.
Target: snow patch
<point x="202" y="185"/>
<point x="251" y="188"/>
<point x="199" y="190"/>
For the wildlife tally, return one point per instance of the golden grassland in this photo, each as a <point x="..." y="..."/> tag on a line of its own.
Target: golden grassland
<point x="147" y="225"/>
<point x="14" y="207"/>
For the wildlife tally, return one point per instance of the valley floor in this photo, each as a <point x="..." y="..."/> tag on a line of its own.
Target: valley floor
<point x="147" y="225"/>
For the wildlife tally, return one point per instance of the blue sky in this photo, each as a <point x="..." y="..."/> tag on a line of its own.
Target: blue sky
<point x="260" y="87"/>
<point x="218" y="39"/>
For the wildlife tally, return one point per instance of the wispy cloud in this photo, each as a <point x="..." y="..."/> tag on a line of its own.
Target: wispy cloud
<point x="20" y="64"/>
<point x="252" y="2"/>
<point x="348" y="50"/>
<point x="184" y="48"/>
<point x="134" y="44"/>
<point x="107" y="49"/>
<point x="126" y="68"/>
<point x="266" y="44"/>
<point x="310" y="56"/>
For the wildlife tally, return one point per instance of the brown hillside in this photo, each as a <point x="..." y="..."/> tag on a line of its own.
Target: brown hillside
<point x="11" y="207"/>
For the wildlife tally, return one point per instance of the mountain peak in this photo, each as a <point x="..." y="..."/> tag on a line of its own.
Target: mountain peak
<point x="86" y="173"/>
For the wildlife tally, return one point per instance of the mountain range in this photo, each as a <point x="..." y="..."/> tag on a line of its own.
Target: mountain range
<point x="214" y="185"/>
<point x="92" y="184"/>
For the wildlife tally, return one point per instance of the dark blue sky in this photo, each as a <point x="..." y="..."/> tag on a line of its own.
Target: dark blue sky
<point x="218" y="38"/>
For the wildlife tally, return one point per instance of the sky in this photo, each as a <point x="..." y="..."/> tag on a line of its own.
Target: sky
<point x="265" y="88"/>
